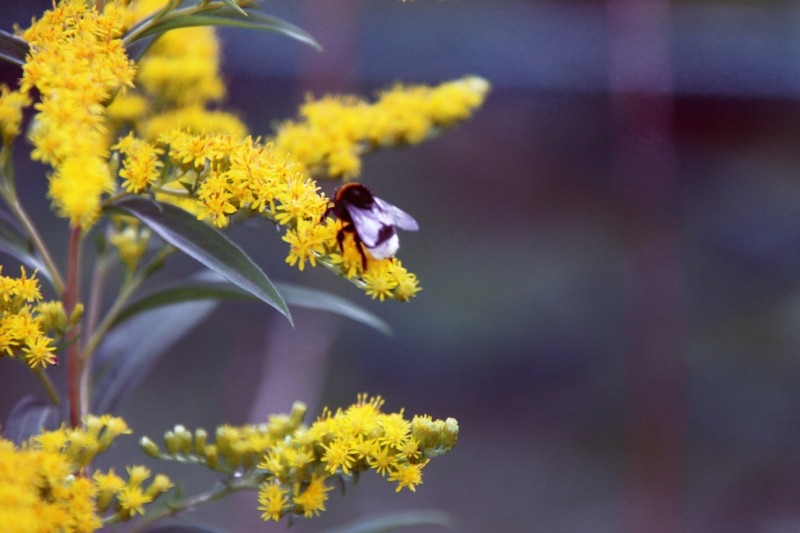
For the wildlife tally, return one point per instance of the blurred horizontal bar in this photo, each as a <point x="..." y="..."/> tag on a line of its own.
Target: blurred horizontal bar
<point x="721" y="49"/>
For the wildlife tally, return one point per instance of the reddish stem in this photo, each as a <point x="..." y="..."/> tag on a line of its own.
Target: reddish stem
<point x="75" y="361"/>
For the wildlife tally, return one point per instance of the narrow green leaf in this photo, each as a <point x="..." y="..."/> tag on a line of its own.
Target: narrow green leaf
<point x="233" y="5"/>
<point x="223" y="16"/>
<point x="207" y="245"/>
<point x="12" y="48"/>
<point x="182" y="293"/>
<point x="325" y="301"/>
<point x="15" y="244"/>
<point x="182" y="528"/>
<point x="395" y="521"/>
<point x="29" y="417"/>
<point x="128" y="352"/>
<point x="208" y="286"/>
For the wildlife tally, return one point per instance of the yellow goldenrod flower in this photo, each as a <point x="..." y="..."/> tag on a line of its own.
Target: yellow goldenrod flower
<point x="61" y="455"/>
<point x="334" y="132"/>
<point x="141" y="163"/>
<point x="337" y="456"/>
<point x="215" y="199"/>
<point x="22" y="329"/>
<point x="130" y="240"/>
<point x="137" y="474"/>
<point x="272" y="500"/>
<point x="76" y="188"/>
<point x="131" y="500"/>
<point x="292" y="462"/>
<point x="108" y="486"/>
<point x="311" y="501"/>
<point x="12" y="103"/>
<point x="218" y="175"/>
<point x="308" y="242"/>
<point x="379" y="283"/>
<point x="382" y="459"/>
<point x="51" y="316"/>
<point x="38" y="352"/>
<point x="159" y="486"/>
<point x="77" y="63"/>
<point x="40" y="492"/>
<point x="128" y="107"/>
<point x="351" y="440"/>
<point x="192" y="119"/>
<point x="395" y="430"/>
<point x="182" y="68"/>
<point x="408" y="475"/>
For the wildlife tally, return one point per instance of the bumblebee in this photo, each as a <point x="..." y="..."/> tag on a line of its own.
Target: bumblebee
<point x="372" y="221"/>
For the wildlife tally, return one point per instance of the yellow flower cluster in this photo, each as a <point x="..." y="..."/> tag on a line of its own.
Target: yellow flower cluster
<point x="82" y="444"/>
<point x="181" y="68"/>
<point x="216" y="176"/>
<point x="314" y="243"/>
<point x="141" y="163"/>
<point x="176" y="79"/>
<point x="128" y="497"/>
<point x="335" y="131"/>
<point x="12" y="103"/>
<point x="77" y="63"/>
<point x="232" y="447"/>
<point x="293" y="462"/>
<point x="130" y="239"/>
<point x="25" y="320"/>
<point x="353" y="440"/>
<point x="39" y="492"/>
<point x="42" y="489"/>
<point x="200" y="159"/>
<point x="224" y="175"/>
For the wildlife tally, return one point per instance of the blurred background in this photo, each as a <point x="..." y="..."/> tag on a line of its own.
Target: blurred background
<point x="609" y="252"/>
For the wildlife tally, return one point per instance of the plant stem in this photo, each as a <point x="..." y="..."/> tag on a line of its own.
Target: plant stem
<point x="97" y="335"/>
<point x="219" y="491"/>
<point x="76" y="390"/>
<point x="38" y="243"/>
<point x="170" y="11"/>
<point x="9" y="194"/>
<point x="96" y="292"/>
<point x="48" y="386"/>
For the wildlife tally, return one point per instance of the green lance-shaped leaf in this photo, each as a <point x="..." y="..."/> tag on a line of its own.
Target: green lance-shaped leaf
<point x="29" y="417"/>
<point x="236" y="7"/>
<point x="182" y="528"/>
<point x="128" y="353"/>
<point x="12" y="48"/>
<point x="218" y="16"/>
<point x="15" y="244"/>
<point x="207" y="285"/>
<point x="396" y="521"/>
<point x="207" y="245"/>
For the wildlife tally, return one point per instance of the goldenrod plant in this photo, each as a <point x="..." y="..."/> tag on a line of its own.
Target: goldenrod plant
<point x="115" y="97"/>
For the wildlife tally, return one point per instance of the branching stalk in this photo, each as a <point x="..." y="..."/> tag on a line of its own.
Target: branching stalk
<point x="76" y="390"/>
<point x="9" y="195"/>
<point x="219" y="491"/>
<point x="52" y="394"/>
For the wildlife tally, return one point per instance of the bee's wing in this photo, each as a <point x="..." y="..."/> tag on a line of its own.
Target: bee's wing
<point x="369" y="224"/>
<point x="397" y="216"/>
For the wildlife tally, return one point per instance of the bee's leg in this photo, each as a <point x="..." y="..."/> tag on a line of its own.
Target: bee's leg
<point x="356" y="240"/>
<point x="363" y="256"/>
<point x="325" y="214"/>
<point x="340" y="238"/>
<point x="360" y="247"/>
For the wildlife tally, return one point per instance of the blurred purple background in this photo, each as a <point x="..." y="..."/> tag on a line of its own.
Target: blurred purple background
<point x="609" y="251"/>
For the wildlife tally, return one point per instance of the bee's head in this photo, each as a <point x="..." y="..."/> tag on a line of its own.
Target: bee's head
<point x="355" y="194"/>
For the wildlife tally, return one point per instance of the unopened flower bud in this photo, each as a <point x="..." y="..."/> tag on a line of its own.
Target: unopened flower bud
<point x="200" y="439"/>
<point x="149" y="447"/>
